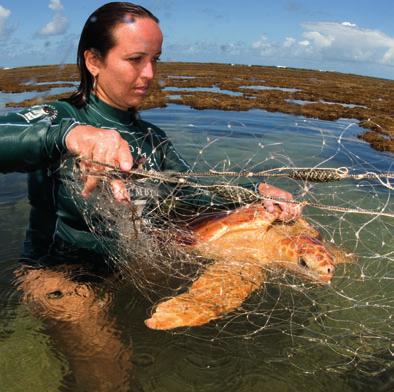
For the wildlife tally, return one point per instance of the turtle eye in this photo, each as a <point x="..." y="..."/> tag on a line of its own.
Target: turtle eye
<point x="303" y="263"/>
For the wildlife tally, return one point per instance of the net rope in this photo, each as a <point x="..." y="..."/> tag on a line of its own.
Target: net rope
<point x="240" y="194"/>
<point x="349" y="321"/>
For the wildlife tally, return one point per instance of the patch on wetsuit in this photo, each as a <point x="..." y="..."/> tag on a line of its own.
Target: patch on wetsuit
<point x="40" y="111"/>
<point x="142" y="188"/>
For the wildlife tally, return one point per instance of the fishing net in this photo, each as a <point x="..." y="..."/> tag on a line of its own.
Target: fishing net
<point x="346" y="197"/>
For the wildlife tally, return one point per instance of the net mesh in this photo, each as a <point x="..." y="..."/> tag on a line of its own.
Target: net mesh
<point x="347" y="199"/>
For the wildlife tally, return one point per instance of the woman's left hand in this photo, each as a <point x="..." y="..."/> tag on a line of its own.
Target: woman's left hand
<point x="289" y="211"/>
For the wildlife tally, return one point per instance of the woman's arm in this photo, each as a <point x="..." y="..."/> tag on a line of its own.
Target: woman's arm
<point x="27" y="146"/>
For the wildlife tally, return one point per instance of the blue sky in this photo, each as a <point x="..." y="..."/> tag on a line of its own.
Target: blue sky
<point x="354" y="36"/>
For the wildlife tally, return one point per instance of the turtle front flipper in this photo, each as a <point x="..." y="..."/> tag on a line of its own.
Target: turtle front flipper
<point x="222" y="288"/>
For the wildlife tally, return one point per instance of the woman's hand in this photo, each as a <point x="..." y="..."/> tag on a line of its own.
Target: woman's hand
<point x="100" y="145"/>
<point x="289" y="211"/>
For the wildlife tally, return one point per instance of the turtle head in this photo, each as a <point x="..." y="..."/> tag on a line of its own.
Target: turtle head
<point x="314" y="259"/>
<point x="308" y="256"/>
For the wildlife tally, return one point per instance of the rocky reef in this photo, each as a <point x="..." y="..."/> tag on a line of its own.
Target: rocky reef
<point x="309" y="93"/>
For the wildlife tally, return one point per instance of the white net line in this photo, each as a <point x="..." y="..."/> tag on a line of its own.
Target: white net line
<point x="351" y="320"/>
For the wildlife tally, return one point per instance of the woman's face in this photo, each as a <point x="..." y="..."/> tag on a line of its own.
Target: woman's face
<point x="124" y="75"/>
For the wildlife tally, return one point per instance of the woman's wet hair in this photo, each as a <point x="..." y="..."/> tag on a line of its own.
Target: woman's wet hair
<point x="97" y="36"/>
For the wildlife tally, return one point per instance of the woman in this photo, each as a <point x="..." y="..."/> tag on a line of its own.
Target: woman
<point x="117" y="55"/>
<point x="119" y="47"/>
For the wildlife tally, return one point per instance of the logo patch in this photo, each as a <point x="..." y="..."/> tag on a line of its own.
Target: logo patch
<point x="37" y="112"/>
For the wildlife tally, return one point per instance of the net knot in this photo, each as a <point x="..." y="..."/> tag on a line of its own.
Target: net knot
<point x="319" y="175"/>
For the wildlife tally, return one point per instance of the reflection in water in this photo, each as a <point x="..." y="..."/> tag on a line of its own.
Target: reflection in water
<point x="204" y="89"/>
<point x="258" y="87"/>
<point x="75" y="313"/>
<point x="304" y="102"/>
<point x="19" y="97"/>
<point x="286" y="335"/>
<point x="180" y="77"/>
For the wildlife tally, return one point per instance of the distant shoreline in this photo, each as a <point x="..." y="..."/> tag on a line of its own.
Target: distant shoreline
<point x="325" y="95"/>
<point x="214" y="63"/>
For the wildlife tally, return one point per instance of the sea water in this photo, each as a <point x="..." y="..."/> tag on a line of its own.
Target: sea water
<point x="315" y="338"/>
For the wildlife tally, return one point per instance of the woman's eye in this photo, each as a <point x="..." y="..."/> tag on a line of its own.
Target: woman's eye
<point x="156" y="59"/>
<point x="135" y="59"/>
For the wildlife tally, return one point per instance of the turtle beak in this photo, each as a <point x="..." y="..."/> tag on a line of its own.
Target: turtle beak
<point x="325" y="278"/>
<point x="317" y="276"/>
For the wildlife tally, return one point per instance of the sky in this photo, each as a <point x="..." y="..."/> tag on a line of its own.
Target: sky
<point x="350" y="36"/>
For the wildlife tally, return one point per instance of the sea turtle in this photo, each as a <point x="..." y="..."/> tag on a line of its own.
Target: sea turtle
<point x="242" y="244"/>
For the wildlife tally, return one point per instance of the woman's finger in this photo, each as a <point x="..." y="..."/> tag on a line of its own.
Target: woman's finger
<point x="90" y="184"/>
<point x="288" y="211"/>
<point x="119" y="191"/>
<point x="124" y="156"/>
<point x="269" y="206"/>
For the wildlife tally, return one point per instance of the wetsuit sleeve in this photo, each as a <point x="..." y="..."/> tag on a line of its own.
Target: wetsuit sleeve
<point x="27" y="146"/>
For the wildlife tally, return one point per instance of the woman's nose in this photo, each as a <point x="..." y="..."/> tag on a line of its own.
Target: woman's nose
<point x="148" y="71"/>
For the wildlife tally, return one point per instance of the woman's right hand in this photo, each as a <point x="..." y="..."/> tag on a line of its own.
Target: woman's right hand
<point x="100" y="145"/>
<point x="288" y="211"/>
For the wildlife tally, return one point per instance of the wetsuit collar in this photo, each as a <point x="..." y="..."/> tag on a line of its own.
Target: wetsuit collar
<point x="126" y="117"/>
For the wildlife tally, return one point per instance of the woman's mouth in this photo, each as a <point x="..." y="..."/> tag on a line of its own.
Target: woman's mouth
<point x="141" y="90"/>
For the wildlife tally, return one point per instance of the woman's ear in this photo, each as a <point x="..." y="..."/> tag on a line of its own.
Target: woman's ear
<point x="92" y="61"/>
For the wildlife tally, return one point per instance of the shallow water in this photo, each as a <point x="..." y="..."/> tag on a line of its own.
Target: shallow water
<point x="258" y="87"/>
<point x="204" y="89"/>
<point x="303" y="102"/>
<point x="19" y="97"/>
<point x="292" y="336"/>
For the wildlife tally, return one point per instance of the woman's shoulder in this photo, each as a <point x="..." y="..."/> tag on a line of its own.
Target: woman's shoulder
<point x="59" y="110"/>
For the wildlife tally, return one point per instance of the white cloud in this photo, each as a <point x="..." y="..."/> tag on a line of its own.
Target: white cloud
<point x="332" y="42"/>
<point x="347" y="41"/>
<point x="57" y="26"/>
<point x="4" y="15"/>
<point x="289" y="41"/>
<point x="264" y="46"/>
<point x="233" y="48"/>
<point x="341" y="46"/>
<point x="349" y="24"/>
<point x="206" y="47"/>
<point x="388" y="57"/>
<point x="55" y="5"/>
<point x="319" y="40"/>
<point x="17" y="51"/>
